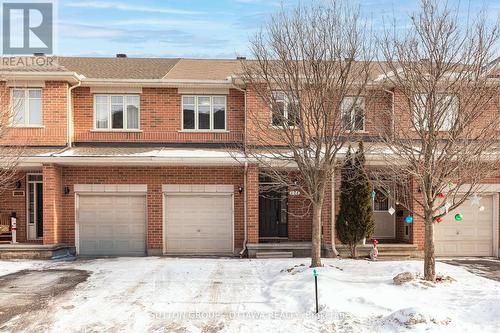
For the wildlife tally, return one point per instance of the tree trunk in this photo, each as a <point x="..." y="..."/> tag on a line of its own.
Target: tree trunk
<point x="353" y="250"/>
<point x="429" y="257"/>
<point x="316" y="235"/>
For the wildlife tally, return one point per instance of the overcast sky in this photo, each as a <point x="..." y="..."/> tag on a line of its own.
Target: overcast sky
<point x="190" y="28"/>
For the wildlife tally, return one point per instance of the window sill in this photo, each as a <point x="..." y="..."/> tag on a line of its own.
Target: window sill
<point x="203" y="131"/>
<point x="27" y="126"/>
<point x="115" y="131"/>
<point x="282" y="127"/>
<point x="357" y="131"/>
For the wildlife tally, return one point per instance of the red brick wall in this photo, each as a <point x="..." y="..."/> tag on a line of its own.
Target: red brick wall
<point x="252" y="193"/>
<point x="259" y="130"/>
<point x="54" y="106"/>
<point x="53" y="228"/>
<point x="154" y="178"/>
<point x="160" y="113"/>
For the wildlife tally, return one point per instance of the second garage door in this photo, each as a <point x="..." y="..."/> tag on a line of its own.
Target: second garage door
<point x="473" y="236"/>
<point x="199" y="224"/>
<point x="112" y="225"/>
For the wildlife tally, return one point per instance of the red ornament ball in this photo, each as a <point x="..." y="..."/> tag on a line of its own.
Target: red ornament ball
<point x="441" y="195"/>
<point x="439" y="219"/>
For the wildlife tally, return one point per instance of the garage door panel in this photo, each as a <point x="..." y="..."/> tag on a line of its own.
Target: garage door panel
<point x="473" y="236"/>
<point x="112" y="225"/>
<point x="198" y="224"/>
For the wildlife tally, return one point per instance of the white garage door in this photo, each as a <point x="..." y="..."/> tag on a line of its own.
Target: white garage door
<point x="198" y="224"/>
<point x="473" y="236"/>
<point x="112" y="225"/>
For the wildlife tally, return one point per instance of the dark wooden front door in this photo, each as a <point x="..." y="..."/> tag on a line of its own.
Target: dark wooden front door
<point x="273" y="215"/>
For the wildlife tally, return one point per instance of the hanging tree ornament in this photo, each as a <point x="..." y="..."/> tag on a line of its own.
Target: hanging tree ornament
<point x="374" y="194"/>
<point x="409" y="219"/>
<point x="475" y="200"/>
<point x="450" y="185"/>
<point x="391" y="211"/>
<point x="481" y="208"/>
<point x="447" y="206"/>
<point x="441" y="195"/>
<point x="458" y="217"/>
<point x="439" y="219"/>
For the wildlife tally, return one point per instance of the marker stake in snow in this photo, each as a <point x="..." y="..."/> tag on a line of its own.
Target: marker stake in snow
<point x="316" y="273"/>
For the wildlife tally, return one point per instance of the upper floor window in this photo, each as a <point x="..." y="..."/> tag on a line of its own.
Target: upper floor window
<point x="204" y="113"/>
<point x="284" y="112"/>
<point x="117" y="112"/>
<point x="26" y="107"/>
<point x="446" y="109"/>
<point x="353" y="113"/>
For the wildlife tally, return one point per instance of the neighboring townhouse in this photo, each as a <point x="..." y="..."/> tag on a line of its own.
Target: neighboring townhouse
<point x="131" y="156"/>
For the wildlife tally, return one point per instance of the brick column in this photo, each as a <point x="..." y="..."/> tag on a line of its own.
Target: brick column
<point x="252" y="193"/>
<point x="52" y="204"/>
<point x="417" y="232"/>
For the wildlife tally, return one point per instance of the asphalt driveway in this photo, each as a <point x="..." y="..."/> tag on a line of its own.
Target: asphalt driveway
<point x="485" y="267"/>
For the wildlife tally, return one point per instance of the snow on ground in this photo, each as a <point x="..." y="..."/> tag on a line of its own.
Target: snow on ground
<point x="274" y="295"/>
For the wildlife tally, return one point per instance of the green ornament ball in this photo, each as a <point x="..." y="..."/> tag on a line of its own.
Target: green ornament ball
<point x="458" y="217"/>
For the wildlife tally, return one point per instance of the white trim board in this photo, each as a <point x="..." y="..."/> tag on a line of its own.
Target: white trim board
<point x="109" y="188"/>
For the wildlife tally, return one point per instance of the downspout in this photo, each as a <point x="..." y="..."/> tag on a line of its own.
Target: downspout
<point x="245" y="239"/>
<point x="70" y="113"/>
<point x="392" y="112"/>
<point x="244" y="210"/>
<point x="334" y="248"/>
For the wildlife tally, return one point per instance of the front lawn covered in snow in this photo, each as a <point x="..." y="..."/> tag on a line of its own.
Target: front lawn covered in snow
<point x="275" y="295"/>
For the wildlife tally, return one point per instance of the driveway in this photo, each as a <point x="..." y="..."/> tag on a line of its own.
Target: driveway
<point x="485" y="267"/>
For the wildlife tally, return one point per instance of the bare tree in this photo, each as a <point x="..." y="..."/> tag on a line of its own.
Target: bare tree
<point x="305" y="63"/>
<point x="446" y="116"/>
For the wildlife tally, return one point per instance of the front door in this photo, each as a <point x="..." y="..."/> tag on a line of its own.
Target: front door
<point x="385" y="223"/>
<point x="273" y="214"/>
<point x="35" y="207"/>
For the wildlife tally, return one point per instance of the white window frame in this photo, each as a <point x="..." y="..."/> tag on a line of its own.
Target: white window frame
<point x="125" y="113"/>
<point x="196" y="114"/>
<point x="26" y="107"/>
<point x="450" y="117"/>
<point x="286" y="102"/>
<point x="360" y="101"/>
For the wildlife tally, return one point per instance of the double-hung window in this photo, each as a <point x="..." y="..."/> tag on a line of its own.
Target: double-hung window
<point x="445" y="112"/>
<point x="353" y="113"/>
<point x="117" y="112"/>
<point x="284" y="112"/>
<point x="204" y="113"/>
<point x="26" y="107"/>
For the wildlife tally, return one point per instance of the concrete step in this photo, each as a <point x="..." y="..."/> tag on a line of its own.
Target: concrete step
<point x="275" y="254"/>
<point x="393" y="255"/>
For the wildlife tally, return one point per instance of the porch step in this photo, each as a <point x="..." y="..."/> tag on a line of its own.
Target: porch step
<point x="269" y="254"/>
<point x="392" y="255"/>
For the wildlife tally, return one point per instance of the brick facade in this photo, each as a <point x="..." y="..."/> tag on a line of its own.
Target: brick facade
<point x="160" y="119"/>
<point x="54" y="115"/>
<point x="160" y="122"/>
<point x="154" y="178"/>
